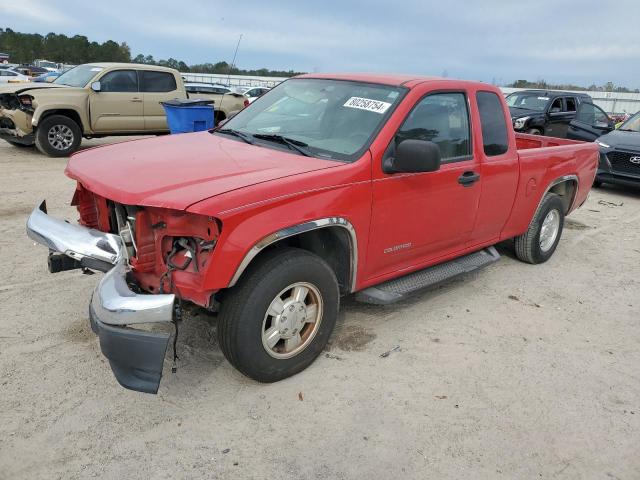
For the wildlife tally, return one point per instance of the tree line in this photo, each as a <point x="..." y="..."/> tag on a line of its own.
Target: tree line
<point x="543" y="85"/>
<point x="59" y="48"/>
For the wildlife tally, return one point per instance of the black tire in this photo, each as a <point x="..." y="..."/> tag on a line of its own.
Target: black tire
<point x="527" y="246"/>
<point x="19" y="145"/>
<point x="597" y="184"/>
<point x="534" y="131"/>
<point x="244" y="309"/>
<point x="51" y="146"/>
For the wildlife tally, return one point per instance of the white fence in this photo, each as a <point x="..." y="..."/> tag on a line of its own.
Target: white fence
<point x="233" y="80"/>
<point x="611" y="102"/>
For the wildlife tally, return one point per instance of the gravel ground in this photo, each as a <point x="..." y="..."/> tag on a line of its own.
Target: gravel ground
<point x="515" y="372"/>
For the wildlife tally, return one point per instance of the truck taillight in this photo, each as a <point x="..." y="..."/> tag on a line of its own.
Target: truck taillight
<point x="246" y="102"/>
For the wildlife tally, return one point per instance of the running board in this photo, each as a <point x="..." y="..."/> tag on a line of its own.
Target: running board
<point x="395" y="290"/>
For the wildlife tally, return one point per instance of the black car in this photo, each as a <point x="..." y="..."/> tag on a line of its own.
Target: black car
<point x="544" y="112"/>
<point x="619" y="148"/>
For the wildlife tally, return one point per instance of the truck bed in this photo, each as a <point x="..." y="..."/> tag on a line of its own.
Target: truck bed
<point x="543" y="160"/>
<point x="525" y="142"/>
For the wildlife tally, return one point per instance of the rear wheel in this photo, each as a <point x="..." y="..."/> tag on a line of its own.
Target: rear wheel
<point x="58" y="136"/>
<point x="541" y="239"/>
<point x="534" y="131"/>
<point x="279" y="317"/>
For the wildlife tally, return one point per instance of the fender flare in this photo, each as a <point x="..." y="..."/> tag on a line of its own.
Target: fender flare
<point x="564" y="178"/>
<point x="297" y="230"/>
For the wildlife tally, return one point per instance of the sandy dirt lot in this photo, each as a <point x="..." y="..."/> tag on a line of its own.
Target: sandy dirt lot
<point x="515" y="372"/>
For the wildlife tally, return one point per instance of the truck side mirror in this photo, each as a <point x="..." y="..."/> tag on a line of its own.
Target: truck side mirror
<point x="96" y="87"/>
<point x="413" y="156"/>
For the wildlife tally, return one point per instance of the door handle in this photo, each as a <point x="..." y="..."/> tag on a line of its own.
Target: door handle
<point x="468" y="178"/>
<point x="136" y="99"/>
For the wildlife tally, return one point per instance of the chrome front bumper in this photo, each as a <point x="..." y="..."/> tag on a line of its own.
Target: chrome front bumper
<point x="136" y="357"/>
<point x="92" y="247"/>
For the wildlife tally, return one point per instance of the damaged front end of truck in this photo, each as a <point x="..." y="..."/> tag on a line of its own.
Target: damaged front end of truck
<point x="153" y="258"/>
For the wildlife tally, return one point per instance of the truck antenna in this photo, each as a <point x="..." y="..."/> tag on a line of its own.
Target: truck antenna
<point x="233" y="62"/>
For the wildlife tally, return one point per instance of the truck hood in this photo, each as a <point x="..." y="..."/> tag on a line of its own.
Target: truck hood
<point x="622" y="139"/>
<point x="176" y="171"/>
<point x="523" y="112"/>
<point x="23" y="87"/>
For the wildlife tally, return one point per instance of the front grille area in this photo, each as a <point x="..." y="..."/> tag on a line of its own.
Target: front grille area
<point x="621" y="162"/>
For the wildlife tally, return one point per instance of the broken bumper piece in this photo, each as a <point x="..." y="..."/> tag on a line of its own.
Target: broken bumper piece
<point x="136" y="356"/>
<point x="91" y="248"/>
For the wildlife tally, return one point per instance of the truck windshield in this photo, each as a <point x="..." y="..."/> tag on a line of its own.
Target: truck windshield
<point x="330" y="119"/>
<point x="631" y="125"/>
<point x="528" y="101"/>
<point x="78" y="76"/>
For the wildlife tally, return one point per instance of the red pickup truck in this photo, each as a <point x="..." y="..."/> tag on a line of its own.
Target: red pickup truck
<point x="328" y="185"/>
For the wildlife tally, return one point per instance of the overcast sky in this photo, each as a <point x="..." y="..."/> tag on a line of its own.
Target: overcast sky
<point x="490" y="40"/>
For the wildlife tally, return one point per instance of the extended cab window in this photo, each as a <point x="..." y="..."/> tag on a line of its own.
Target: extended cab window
<point x="119" y="81"/>
<point x="495" y="139"/>
<point x="157" y="81"/>
<point x="571" y="104"/>
<point x="443" y="119"/>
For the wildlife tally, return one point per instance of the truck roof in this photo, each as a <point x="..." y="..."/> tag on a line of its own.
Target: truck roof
<point x="139" y="66"/>
<point x="405" y="80"/>
<point x="553" y="93"/>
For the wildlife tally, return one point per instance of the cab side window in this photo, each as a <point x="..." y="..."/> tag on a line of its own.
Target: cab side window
<point x="119" y="81"/>
<point x="443" y="119"/>
<point x="495" y="137"/>
<point x="556" y="106"/>
<point x="571" y="104"/>
<point x="157" y="81"/>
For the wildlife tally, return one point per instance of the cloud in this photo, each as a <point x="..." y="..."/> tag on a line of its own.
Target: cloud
<point x="499" y="39"/>
<point x="40" y="12"/>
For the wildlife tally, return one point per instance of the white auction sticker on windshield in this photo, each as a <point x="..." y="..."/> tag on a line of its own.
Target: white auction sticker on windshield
<point x="367" y="104"/>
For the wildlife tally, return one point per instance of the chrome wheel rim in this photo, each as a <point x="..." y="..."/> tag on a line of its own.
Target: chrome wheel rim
<point x="549" y="230"/>
<point x="292" y="320"/>
<point x="60" y="137"/>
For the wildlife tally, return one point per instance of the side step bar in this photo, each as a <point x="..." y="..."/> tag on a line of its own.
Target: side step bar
<point x="395" y="290"/>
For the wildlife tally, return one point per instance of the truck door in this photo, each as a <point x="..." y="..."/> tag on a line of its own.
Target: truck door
<point x="558" y="118"/>
<point x="590" y="123"/>
<point x="419" y="217"/>
<point x="499" y="169"/>
<point x="117" y="107"/>
<point x="157" y="87"/>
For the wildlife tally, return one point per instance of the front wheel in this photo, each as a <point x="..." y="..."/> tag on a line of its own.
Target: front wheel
<point x="534" y="131"/>
<point x="544" y="232"/>
<point x="280" y="316"/>
<point x="58" y="136"/>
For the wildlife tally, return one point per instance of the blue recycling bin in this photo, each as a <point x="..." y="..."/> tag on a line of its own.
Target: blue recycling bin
<point x="188" y="115"/>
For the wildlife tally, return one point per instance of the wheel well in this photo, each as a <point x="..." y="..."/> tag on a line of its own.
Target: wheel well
<point x="72" y="114"/>
<point x="566" y="191"/>
<point x="219" y="115"/>
<point x="332" y="244"/>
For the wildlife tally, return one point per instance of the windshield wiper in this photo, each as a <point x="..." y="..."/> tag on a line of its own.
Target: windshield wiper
<point x="626" y="130"/>
<point x="243" y="136"/>
<point x="290" y="142"/>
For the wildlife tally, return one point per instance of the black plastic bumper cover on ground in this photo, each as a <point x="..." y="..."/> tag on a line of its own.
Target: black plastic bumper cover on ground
<point x="136" y="357"/>
<point x="26" y="140"/>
